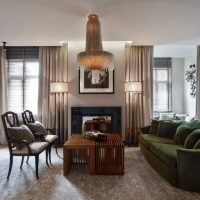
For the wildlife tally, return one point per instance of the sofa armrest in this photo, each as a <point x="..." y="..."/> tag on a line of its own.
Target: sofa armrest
<point x="188" y="161"/>
<point x="145" y="129"/>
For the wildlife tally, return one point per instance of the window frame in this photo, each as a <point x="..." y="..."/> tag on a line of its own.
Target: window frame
<point x="23" y="78"/>
<point x="167" y="65"/>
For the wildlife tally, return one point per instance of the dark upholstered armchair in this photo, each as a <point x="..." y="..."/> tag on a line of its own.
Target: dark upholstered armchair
<point x="21" y="142"/>
<point x="35" y="127"/>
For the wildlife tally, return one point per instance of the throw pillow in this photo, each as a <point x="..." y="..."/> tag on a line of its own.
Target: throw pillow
<point x="167" y="116"/>
<point x="167" y="129"/>
<point x="20" y="133"/>
<point x="192" y="139"/>
<point x="197" y="145"/>
<point x="37" y="127"/>
<point x="154" y="127"/>
<point x="181" y="134"/>
<point x="189" y="118"/>
<point x="181" y="116"/>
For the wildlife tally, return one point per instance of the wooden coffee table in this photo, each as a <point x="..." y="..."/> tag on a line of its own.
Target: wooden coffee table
<point x="103" y="157"/>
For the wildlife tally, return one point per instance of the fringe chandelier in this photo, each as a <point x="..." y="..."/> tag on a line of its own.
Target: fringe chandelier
<point x="94" y="58"/>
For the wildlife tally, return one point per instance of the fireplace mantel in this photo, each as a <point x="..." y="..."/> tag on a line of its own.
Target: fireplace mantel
<point x="77" y="114"/>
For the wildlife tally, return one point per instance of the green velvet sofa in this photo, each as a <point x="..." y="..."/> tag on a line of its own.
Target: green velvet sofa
<point x="180" y="166"/>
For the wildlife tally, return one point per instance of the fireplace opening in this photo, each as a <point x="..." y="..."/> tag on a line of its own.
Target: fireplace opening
<point x="101" y="123"/>
<point x="79" y="116"/>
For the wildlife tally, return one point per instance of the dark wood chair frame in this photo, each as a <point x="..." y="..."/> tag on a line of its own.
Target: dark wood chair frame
<point x="6" y="119"/>
<point x="28" y="117"/>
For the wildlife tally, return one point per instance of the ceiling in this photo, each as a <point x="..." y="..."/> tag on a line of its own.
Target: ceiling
<point x="145" y="22"/>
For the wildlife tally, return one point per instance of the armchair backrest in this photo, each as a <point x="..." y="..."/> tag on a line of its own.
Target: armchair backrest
<point x="27" y="116"/>
<point x="9" y="119"/>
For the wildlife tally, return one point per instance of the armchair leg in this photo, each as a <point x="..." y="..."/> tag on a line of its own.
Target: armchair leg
<point x="36" y="165"/>
<point x="10" y="166"/>
<point x="50" y="154"/>
<point x="47" y="154"/>
<point x="22" y="162"/>
<point x="56" y="147"/>
<point x="27" y="159"/>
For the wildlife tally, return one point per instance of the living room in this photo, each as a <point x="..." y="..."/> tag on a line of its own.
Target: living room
<point x="74" y="130"/>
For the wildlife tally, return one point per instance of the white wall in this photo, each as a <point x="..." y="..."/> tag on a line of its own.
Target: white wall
<point x="178" y="85"/>
<point x="116" y="99"/>
<point x="189" y="102"/>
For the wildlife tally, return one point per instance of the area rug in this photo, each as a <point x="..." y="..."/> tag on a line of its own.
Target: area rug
<point x="140" y="181"/>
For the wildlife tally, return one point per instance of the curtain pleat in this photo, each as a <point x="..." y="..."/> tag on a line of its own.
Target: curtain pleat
<point x="3" y="92"/>
<point x="138" y="108"/>
<point x="197" y="115"/>
<point x="53" y="61"/>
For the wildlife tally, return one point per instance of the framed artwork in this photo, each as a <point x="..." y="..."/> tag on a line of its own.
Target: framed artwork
<point x="96" y="82"/>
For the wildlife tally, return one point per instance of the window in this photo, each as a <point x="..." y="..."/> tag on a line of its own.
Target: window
<point x="23" y="79"/>
<point x="162" y="85"/>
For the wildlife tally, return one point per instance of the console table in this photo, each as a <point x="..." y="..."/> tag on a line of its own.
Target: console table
<point x="102" y="157"/>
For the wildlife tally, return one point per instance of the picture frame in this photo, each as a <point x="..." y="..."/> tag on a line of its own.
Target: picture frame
<point x="96" y="82"/>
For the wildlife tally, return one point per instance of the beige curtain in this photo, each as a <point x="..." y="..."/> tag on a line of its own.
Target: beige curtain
<point x="198" y="84"/>
<point x="138" y="109"/>
<point x="3" y="92"/>
<point x="54" y="107"/>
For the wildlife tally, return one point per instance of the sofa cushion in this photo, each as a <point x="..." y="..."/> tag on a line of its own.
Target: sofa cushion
<point x="165" y="152"/>
<point x="192" y="139"/>
<point x="37" y="127"/>
<point x="167" y="129"/>
<point x="20" y="133"/>
<point x="197" y="145"/>
<point x="154" y="127"/>
<point x="145" y="129"/>
<point x="146" y="139"/>
<point x="195" y="124"/>
<point x="181" y="134"/>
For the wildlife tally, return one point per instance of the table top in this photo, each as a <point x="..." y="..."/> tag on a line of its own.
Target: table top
<point x="77" y="140"/>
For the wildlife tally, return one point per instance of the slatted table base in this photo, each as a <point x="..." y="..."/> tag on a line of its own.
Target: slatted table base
<point x="109" y="157"/>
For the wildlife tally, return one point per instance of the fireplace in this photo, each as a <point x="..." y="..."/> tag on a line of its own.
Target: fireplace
<point x="81" y="114"/>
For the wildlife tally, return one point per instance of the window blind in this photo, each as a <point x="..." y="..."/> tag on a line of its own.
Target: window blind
<point x="23" y="78"/>
<point x="162" y="86"/>
<point x="22" y="52"/>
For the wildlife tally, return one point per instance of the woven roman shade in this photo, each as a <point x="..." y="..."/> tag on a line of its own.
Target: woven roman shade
<point x="22" y="52"/>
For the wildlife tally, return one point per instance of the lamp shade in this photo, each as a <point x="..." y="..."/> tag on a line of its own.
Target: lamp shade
<point x="133" y="86"/>
<point x="59" y="87"/>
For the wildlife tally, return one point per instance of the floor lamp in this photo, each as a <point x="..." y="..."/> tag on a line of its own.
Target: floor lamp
<point x="134" y="87"/>
<point x="59" y="88"/>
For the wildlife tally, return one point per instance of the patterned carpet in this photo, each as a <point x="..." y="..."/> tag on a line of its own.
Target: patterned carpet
<point x="140" y="181"/>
